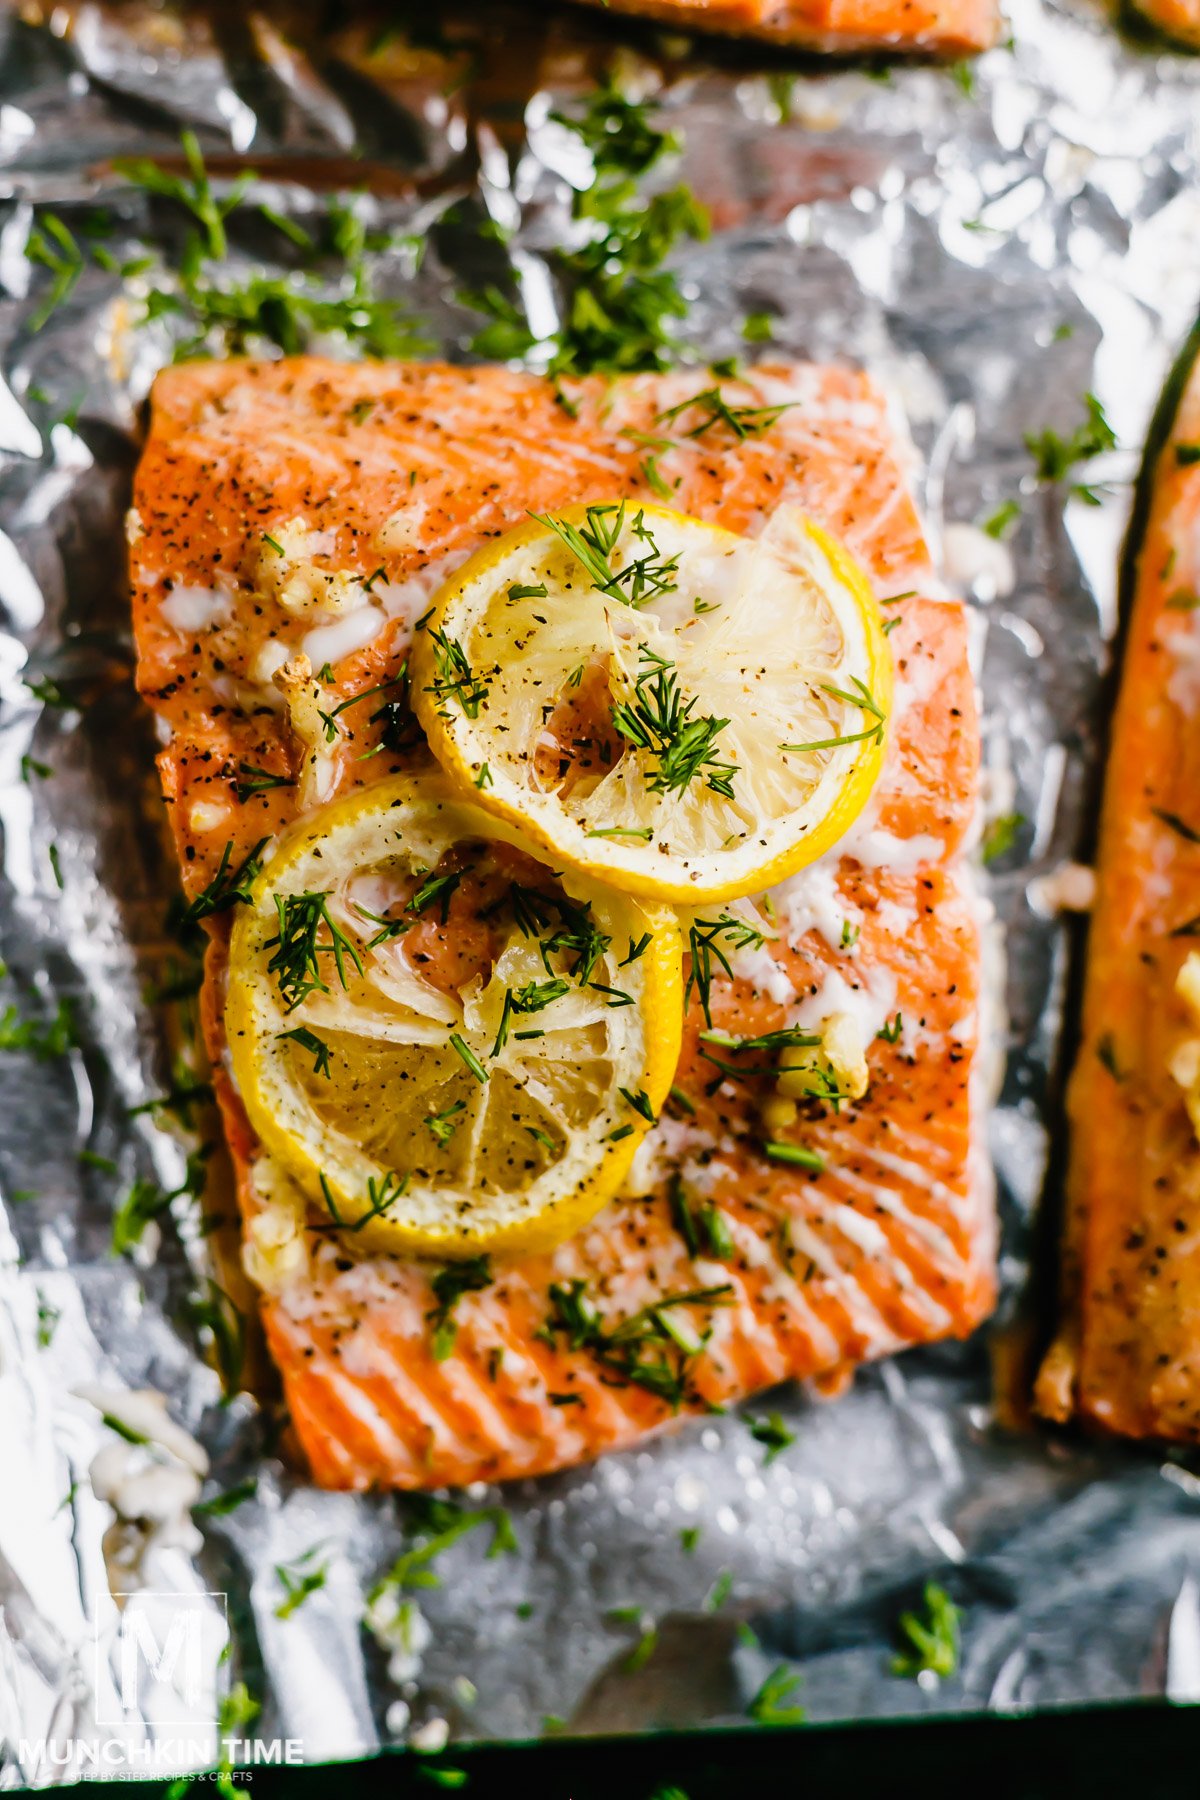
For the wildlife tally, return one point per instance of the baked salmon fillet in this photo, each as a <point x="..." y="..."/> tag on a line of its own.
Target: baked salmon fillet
<point x="935" y="27"/>
<point x="1128" y="1357"/>
<point x="395" y="474"/>
<point x="1178" y="20"/>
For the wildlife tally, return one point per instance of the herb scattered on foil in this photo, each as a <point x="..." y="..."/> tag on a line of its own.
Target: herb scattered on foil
<point x="775" y="1701"/>
<point x="300" y="1579"/>
<point x="1054" y="457"/>
<point x="773" y="1434"/>
<point x="1000" y="836"/>
<point x="618" y="303"/>
<point x="932" y="1637"/>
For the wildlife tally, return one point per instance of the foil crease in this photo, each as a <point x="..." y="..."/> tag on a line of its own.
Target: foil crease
<point x="991" y="256"/>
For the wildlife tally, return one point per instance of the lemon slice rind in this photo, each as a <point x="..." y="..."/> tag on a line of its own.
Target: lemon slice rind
<point x="779" y="639"/>
<point x="352" y="1140"/>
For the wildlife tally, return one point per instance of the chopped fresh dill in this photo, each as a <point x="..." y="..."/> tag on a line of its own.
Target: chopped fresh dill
<point x="711" y="404"/>
<point x="443" y="1125"/>
<point x="795" y="1154"/>
<point x="251" y="780"/>
<point x="229" y="886"/>
<point x="1054" y="457"/>
<point x="704" y="945"/>
<point x="296" y="963"/>
<point x="463" y="1050"/>
<point x="454" y="678"/>
<point x="317" y="1048"/>
<point x="594" y="542"/>
<point x="383" y="1192"/>
<point x="658" y="721"/>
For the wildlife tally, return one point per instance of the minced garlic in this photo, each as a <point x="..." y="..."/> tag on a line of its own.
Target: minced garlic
<point x="840" y="1059"/>
<point x="302" y="695"/>
<point x="1184" y="1065"/>
<point x="285" y="572"/>
<point x="274" y="1248"/>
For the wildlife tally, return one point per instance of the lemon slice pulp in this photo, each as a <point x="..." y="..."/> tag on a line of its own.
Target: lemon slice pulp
<point x="680" y="711"/>
<point x="451" y="1048"/>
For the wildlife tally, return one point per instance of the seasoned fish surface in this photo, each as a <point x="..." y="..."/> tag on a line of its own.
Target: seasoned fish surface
<point x="269" y="490"/>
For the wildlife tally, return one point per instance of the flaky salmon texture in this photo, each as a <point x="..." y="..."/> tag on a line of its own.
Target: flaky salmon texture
<point x="1128" y="1356"/>
<point x="396" y="474"/>
<point x="937" y="27"/>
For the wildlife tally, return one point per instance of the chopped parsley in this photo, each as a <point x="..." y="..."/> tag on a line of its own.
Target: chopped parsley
<point x="714" y="409"/>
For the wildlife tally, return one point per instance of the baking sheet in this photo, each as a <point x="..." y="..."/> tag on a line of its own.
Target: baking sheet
<point x="992" y="254"/>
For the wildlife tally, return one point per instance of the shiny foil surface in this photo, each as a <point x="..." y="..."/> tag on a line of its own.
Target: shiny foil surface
<point x="990" y="248"/>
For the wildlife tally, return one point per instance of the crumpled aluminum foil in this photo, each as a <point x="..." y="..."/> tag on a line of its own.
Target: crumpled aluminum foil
<point x="991" y="255"/>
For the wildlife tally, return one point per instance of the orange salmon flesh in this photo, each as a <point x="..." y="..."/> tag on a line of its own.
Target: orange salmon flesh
<point x="937" y="27"/>
<point x="1127" y="1357"/>
<point x="401" y="472"/>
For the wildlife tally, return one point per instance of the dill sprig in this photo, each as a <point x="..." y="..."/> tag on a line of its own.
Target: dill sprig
<point x="447" y="1522"/>
<point x="317" y="1048"/>
<point x="454" y="678"/>
<point x="229" y="886"/>
<point x="705" y="946"/>
<point x="52" y="247"/>
<point x="382" y="1194"/>
<point x="576" y="937"/>
<point x="528" y="999"/>
<point x="1054" y="457"/>
<point x="714" y="409"/>
<point x="658" y="721"/>
<point x="652" y="1349"/>
<point x="296" y="963"/>
<point x="594" y="542"/>
<point x="449" y="1285"/>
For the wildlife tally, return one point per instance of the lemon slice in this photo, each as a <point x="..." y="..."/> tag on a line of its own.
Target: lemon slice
<point x="451" y="1048"/>
<point x="685" y="713"/>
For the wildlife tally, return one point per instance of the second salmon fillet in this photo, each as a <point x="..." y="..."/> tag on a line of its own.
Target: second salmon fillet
<point x="376" y="480"/>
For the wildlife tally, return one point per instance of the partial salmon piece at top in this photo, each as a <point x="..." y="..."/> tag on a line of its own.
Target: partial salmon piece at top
<point x="1177" y="19"/>
<point x="1128" y="1356"/>
<point x="387" y="477"/>
<point x="937" y="27"/>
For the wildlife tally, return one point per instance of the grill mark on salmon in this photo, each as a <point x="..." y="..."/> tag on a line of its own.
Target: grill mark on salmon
<point x="1128" y="1357"/>
<point x="893" y="1243"/>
